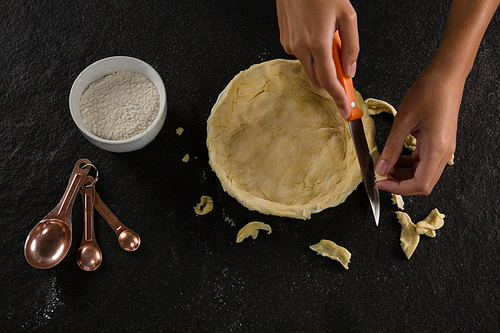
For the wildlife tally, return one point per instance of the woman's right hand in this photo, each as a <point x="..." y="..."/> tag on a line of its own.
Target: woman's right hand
<point x="306" y="31"/>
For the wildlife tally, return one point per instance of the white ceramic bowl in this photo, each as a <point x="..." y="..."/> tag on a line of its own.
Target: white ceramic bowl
<point x="102" y="68"/>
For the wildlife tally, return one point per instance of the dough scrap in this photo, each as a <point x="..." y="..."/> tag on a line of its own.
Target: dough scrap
<point x="252" y="229"/>
<point x="398" y="201"/>
<point x="179" y="130"/>
<point x="376" y="106"/>
<point x="409" y="237"/>
<point x="185" y="158"/>
<point x="205" y="205"/>
<point x="329" y="249"/>
<point x="410" y="233"/>
<point x="430" y="224"/>
<point x="279" y="146"/>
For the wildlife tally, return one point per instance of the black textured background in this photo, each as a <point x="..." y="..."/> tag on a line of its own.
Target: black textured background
<point x="189" y="275"/>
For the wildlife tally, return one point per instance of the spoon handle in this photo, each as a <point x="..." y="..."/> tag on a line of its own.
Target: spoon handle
<point x="89" y="255"/>
<point x="128" y="239"/>
<point x="63" y="208"/>
<point x="106" y="213"/>
<point x="88" y="197"/>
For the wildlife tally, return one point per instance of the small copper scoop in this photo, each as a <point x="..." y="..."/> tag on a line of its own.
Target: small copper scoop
<point x="89" y="255"/>
<point x="128" y="239"/>
<point x="50" y="240"/>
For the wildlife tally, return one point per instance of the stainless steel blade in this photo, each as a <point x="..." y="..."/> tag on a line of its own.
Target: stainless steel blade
<point x="366" y="165"/>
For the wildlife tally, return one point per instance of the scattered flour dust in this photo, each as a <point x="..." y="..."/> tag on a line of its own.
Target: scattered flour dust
<point x="119" y="106"/>
<point x="45" y="303"/>
<point x="227" y="218"/>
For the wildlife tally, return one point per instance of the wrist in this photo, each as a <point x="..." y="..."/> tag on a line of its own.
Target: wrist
<point x="452" y="64"/>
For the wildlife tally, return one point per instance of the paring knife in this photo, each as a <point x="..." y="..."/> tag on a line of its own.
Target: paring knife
<point x="358" y="132"/>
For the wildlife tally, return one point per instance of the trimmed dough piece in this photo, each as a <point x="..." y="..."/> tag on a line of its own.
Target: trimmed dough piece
<point x="430" y="224"/>
<point x="329" y="249"/>
<point x="185" y="158"/>
<point x="409" y="237"/>
<point x="179" y="130"/>
<point x="376" y="106"/>
<point x="410" y="233"/>
<point x="398" y="201"/>
<point x="279" y="146"/>
<point x="252" y="229"/>
<point x="205" y="205"/>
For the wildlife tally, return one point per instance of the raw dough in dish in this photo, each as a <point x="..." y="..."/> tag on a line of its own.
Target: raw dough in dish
<point x="279" y="145"/>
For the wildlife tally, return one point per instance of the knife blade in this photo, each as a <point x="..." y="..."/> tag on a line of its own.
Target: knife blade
<point x="357" y="132"/>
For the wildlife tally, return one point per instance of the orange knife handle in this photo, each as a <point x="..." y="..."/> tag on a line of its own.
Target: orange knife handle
<point x="345" y="81"/>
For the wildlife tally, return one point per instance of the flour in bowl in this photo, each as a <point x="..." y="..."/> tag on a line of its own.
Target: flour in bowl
<point x="119" y="106"/>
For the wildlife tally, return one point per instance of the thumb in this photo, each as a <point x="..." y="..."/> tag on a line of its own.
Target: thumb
<point x="392" y="150"/>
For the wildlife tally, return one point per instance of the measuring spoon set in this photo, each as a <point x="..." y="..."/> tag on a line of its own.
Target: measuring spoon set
<point x="50" y="240"/>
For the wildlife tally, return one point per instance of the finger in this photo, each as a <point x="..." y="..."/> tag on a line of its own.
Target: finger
<point x="284" y="29"/>
<point x="400" y="174"/>
<point x="427" y="173"/>
<point x="324" y="67"/>
<point x="348" y="31"/>
<point x="407" y="161"/>
<point x="392" y="149"/>
<point x="340" y="97"/>
<point x="306" y="60"/>
<point x="425" y="177"/>
<point x="404" y="187"/>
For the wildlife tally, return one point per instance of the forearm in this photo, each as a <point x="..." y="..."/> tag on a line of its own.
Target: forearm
<point x="466" y="25"/>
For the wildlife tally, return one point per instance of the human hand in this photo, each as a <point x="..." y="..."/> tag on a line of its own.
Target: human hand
<point x="306" y="31"/>
<point x="429" y="111"/>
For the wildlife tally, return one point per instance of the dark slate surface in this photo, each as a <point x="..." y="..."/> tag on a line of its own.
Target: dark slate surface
<point x="189" y="275"/>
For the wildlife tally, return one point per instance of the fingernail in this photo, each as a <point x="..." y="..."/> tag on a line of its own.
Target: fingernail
<point x="352" y="70"/>
<point x="381" y="167"/>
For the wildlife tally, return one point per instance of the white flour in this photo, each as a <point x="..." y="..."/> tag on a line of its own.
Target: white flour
<point x="119" y="106"/>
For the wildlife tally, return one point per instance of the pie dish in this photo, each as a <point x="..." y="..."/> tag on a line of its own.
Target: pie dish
<point x="279" y="145"/>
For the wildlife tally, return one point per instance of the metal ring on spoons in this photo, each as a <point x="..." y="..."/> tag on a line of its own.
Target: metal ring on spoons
<point x="96" y="178"/>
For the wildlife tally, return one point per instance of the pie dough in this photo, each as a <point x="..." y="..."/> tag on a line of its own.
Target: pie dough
<point x="279" y="145"/>
<point x="398" y="201"/>
<point x="205" y="205"/>
<point x="409" y="237"/>
<point x="329" y="249"/>
<point x="410" y="233"/>
<point x="430" y="224"/>
<point x="252" y="229"/>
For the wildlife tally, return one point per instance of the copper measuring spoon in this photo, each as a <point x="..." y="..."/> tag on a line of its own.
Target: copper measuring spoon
<point x="128" y="239"/>
<point x="49" y="241"/>
<point x="89" y="255"/>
